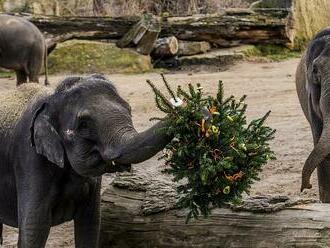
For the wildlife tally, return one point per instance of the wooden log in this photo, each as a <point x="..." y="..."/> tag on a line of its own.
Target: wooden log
<point x="166" y="47"/>
<point x="138" y="211"/>
<point x="187" y="48"/>
<point x="229" y="28"/>
<point x="148" y="40"/>
<point x="135" y="34"/>
<point x="234" y="27"/>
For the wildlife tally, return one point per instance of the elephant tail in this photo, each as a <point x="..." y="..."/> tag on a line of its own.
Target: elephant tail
<point x="46" y="65"/>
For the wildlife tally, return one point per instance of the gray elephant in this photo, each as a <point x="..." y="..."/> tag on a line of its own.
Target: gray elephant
<point x="22" y="48"/>
<point x="313" y="88"/>
<point x="54" y="147"/>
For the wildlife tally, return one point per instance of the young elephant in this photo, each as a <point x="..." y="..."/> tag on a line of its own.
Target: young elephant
<point x="22" y="48"/>
<point x="313" y="88"/>
<point x="54" y="147"/>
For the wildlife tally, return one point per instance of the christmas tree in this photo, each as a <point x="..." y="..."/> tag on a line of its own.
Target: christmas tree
<point x="215" y="154"/>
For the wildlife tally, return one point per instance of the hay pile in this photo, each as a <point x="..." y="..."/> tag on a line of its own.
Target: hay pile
<point x="310" y="17"/>
<point x="14" y="102"/>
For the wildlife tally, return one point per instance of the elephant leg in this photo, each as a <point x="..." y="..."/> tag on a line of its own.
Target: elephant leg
<point x="33" y="237"/>
<point x="33" y="220"/>
<point x="1" y="237"/>
<point x="35" y="63"/>
<point x="323" y="174"/>
<point x="35" y="194"/>
<point x="21" y="77"/>
<point x="87" y="220"/>
<point x="34" y="77"/>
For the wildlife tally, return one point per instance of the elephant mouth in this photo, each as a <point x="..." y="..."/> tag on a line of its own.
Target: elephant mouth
<point x="113" y="166"/>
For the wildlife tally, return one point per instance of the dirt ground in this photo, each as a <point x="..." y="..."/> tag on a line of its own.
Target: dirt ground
<point x="269" y="86"/>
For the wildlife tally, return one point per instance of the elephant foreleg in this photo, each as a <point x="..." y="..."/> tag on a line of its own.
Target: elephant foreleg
<point x="33" y="237"/>
<point x="21" y="77"/>
<point x="323" y="173"/>
<point x="34" y="208"/>
<point x="87" y="220"/>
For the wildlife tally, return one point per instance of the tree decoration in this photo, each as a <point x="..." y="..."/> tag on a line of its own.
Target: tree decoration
<point x="215" y="154"/>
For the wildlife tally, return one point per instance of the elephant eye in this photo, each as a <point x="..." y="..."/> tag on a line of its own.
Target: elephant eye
<point x="86" y="128"/>
<point x="84" y="120"/>
<point x="83" y="124"/>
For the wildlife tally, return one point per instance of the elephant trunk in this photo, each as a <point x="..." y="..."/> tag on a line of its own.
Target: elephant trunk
<point x="317" y="156"/>
<point x="137" y="147"/>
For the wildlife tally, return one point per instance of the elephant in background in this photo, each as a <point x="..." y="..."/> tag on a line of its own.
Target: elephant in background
<point x="313" y="88"/>
<point x="55" y="146"/>
<point x="22" y="49"/>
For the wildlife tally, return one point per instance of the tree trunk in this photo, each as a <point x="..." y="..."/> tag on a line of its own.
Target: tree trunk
<point x="135" y="34"/>
<point x="148" y="40"/>
<point x="165" y="47"/>
<point x="230" y="28"/>
<point x="139" y="211"/>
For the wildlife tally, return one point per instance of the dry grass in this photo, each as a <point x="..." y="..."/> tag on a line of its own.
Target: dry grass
<point x="172" y="7"/>
<point x="129" y="7"/>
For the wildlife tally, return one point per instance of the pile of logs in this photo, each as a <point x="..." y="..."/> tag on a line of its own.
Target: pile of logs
<point x="144" y="36"/>
<point x="164" y="37"/>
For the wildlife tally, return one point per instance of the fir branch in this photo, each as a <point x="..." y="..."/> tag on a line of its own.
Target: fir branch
<point x="161" y="98"/>
<point x="168" y="87"/>
<point x="181" y="92"/>
<point x="219" y="158"/>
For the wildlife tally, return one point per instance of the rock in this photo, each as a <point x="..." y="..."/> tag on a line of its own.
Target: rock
<point x="219" y="58"/>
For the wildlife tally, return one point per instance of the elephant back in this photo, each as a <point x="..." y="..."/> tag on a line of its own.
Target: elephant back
<point x="14" y="102"/>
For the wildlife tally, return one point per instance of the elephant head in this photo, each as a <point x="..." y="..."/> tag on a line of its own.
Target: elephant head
<point x="318" y="89"/>
<point x="85" y="124"/>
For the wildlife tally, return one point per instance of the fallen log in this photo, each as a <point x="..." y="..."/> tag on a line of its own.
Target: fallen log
<point x="139" y="211"/>
<point x="230" y="28"/>
<point x="166" y="47"/>
<point x="187" y="48"/>
<point x="215" y="60"/>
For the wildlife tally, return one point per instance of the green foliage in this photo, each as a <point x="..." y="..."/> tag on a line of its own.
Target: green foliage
<point x="215" y="154"/>
<point x="272" y="52"/>
<point x="90" y="57"/>
<point x="7" y="74"/>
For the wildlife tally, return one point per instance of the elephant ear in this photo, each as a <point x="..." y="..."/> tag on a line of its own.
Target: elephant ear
<point x="45" y="138"/>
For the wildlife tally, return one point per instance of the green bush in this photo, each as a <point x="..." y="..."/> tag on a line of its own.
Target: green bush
<point x="216" y="154"/>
